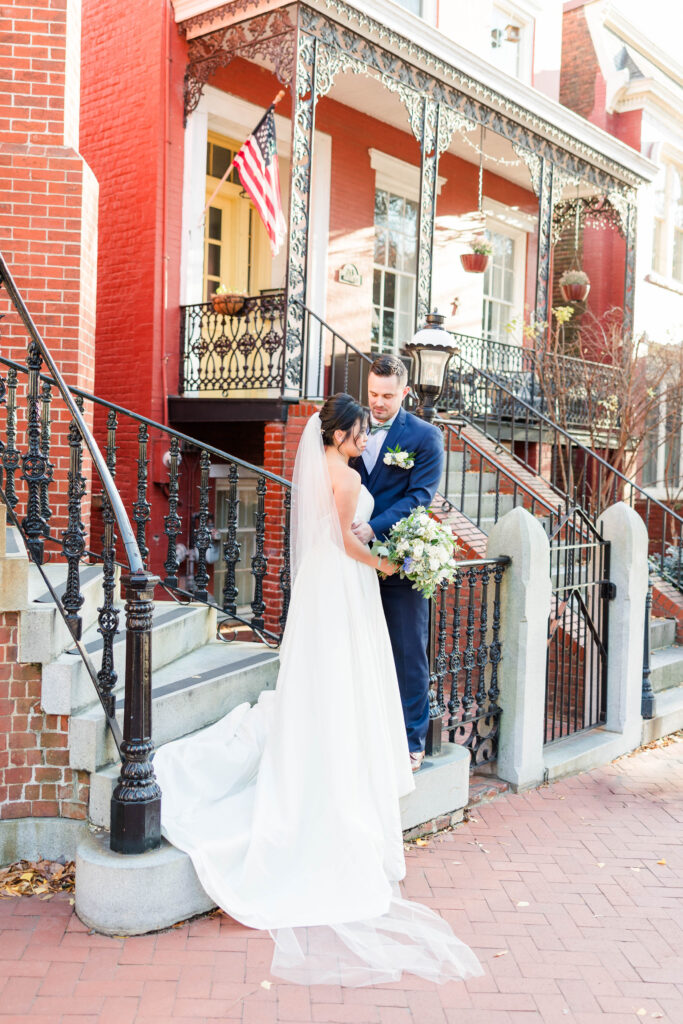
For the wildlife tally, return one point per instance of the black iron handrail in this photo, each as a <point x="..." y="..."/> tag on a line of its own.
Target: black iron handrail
<point x="329" y="342"/>
<point x="136" y="800"/>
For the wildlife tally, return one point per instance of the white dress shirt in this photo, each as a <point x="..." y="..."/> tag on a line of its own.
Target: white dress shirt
<point x="375" y="442"/>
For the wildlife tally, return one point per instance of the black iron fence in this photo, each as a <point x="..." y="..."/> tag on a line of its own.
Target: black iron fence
<point x="576" y="672"/>
<point x="465" y="651"/>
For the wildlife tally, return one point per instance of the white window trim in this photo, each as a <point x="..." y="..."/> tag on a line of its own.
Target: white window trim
<point x="670" y="160"/>
<point x="498" y="222"/>
<point x="525" y="17"/>
<point x="399" y="177"/>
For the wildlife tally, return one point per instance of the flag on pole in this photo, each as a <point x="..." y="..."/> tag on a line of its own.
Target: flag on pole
<point x="256" y="164"/>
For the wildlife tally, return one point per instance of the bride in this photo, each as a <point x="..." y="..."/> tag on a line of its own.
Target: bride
<point x="290" y="809"/>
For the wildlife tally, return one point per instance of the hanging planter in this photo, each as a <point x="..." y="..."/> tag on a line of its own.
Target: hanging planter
<point x="477" y="261"/>
<point x="227" y="303"/>
<point x="575" y="285"/>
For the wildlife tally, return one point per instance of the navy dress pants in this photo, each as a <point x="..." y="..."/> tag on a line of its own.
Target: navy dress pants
<point x="407" y="615"/>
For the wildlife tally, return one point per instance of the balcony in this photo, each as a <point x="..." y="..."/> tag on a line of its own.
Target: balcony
<point x="231" y="363"/>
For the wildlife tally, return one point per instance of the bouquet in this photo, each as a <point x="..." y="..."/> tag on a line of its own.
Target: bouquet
<point x="422" y="548"/>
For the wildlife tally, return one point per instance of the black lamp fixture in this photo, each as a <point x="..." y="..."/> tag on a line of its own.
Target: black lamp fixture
<point x="431" y="350"/>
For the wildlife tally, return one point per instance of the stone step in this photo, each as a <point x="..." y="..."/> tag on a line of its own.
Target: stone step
<point x="455" y="481"/>
<point x="662" y="633"/>
<point x="188" y="695"/>
<point x="176" y="630"/>
<point x="121" y="895"/>
<point x="43" y="633"/>
<point x="666" y="668"/>
<point x="14" y="568"/>
<point x="668" y="716"/>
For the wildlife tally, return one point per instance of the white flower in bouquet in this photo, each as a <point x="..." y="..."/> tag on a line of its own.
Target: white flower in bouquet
<point x="422" y="548"/>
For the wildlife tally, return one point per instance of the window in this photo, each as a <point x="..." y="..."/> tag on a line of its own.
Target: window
<point x="667" y="227"/>
<point x="415" y="6"/>
<point x="499" y="288"/>
<point x="677" y="270"/>
<point x="236" y="247"/>
<point x="395" y="270"/>
<point x="506" y="42"/>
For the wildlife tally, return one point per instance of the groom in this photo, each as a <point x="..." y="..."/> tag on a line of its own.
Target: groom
<point x="397" y="492"/>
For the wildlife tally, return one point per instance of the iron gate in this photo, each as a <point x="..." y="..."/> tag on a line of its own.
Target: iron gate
<point x="576" y="669"/>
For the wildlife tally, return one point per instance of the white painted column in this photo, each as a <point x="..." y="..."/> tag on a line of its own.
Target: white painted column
<point x="628" y="571"/>
<point x="525" y="608"/>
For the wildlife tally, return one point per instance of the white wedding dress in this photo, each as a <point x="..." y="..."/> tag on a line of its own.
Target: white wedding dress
<point x="290" y="809"/>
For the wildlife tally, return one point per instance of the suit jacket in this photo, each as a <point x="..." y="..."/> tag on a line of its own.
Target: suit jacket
<point x="398" y="491"/>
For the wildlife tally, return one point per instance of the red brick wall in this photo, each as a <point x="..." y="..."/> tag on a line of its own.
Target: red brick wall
<point x="48" y="197"/>
<point x="132" y="135"/>
<point x="582" y="86"/>
<point x="48" y="225"/>
<point x="35" y="778"/>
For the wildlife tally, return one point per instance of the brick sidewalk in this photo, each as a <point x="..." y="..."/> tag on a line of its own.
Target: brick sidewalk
<point x="559" y="891"/>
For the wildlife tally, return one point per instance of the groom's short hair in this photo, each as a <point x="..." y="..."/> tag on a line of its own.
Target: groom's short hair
<point x="390" y="366"/>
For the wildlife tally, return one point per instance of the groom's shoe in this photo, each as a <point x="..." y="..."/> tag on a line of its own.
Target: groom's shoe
<point x="416" y="759"/>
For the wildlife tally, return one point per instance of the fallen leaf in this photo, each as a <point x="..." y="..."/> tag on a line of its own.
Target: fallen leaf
<point x="503" y="952"/>
<point x="642" y="1012"/>
<point x="635" y="869"/>
<point x="421" y="842"/>
<point x="522" y="903"/>
<point x="662" y="861"/>
<point x="657" y="1016"/>
<point x="72" y="902"/>
<point x="456" y="862"/>
<point x="266" y="984"/>
<point x="601" y="863"/>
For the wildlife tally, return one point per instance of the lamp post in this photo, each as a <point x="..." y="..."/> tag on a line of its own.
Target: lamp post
<point x="431" y="349"/>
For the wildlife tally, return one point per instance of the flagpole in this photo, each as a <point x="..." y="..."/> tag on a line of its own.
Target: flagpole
<point x="232" y="162"/>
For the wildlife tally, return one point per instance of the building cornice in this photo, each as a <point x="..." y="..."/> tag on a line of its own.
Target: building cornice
<point x="632" y="36"/>
<point x="423" y="46"/>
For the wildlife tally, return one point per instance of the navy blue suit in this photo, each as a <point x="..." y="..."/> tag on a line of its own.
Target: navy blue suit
<point x="397" y="492"/>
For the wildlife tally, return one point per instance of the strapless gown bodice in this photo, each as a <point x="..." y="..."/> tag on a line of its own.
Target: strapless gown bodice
<point x="364" y="505"/>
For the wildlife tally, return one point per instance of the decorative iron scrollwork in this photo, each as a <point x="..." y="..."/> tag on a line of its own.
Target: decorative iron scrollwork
<point x="35" y="470"/>
<point x="73" y="538"/>
<point x="11" y="456"/>
<point x="231" y="549"/>
<point x="108" y="614"/>
<point x="141" y="506"/>
<point x="172" y="521"/>
<point x="202" y="534"/>
<point x="259" y="563"/>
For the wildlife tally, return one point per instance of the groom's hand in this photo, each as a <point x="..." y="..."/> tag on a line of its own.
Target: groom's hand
<point x="363" y="531"/>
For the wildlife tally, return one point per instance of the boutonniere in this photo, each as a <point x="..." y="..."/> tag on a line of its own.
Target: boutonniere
<point x="396" y="457"/>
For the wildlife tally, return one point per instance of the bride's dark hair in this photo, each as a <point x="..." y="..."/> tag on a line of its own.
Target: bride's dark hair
<point x="341" y="412"/>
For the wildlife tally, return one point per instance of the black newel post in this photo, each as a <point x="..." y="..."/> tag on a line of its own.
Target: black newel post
<point x="647" y="704"/>
<point x="136" y="801"/>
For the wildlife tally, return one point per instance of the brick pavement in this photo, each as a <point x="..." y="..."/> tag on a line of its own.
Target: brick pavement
<point x="559" y="891"/>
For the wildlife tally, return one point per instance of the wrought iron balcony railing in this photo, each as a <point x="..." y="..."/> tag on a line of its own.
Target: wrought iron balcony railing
<point x="536" y="377"/>
<point x="235" y="352"/>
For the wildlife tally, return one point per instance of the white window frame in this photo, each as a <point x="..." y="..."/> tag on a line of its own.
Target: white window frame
<point x="504" y="220"/>
<point x="526" y="21"/>
<point x="662" y="259"/>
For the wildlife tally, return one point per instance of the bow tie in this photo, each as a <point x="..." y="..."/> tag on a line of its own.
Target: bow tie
<point x="379" y="426"/>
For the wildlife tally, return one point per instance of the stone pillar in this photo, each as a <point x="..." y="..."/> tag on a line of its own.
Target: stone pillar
<point x="626" y="531"/>
<point x="525" y="609"/>
<point x="304" y="95"/>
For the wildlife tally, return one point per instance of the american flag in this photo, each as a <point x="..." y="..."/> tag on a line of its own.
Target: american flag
<point x="256" y="163"/>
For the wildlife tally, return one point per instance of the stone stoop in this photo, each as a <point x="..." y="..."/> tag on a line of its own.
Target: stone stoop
<point x="666" y="679"/>
<point x="131" y="895"/>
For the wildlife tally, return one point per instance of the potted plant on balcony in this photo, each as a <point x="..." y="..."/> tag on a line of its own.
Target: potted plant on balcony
<point x="575" y="285"/>
<point x="228" y="301"/>
<point x="477" y="261"/>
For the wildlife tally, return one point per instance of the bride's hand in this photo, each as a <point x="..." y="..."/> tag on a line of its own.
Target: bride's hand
<point x="387" y="568"/>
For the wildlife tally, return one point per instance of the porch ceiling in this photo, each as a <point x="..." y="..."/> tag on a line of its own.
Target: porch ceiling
<point x="369" y="96"/>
